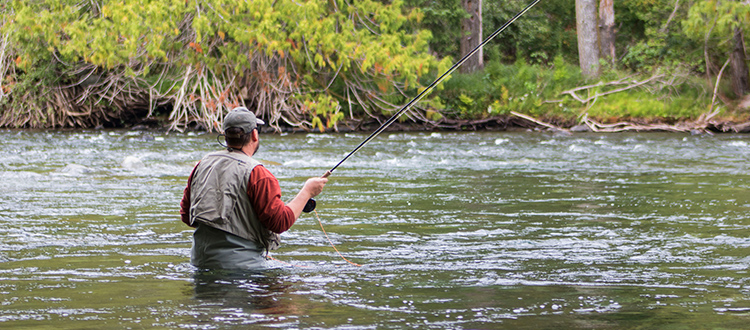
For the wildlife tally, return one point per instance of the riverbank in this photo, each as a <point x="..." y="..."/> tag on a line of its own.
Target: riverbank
<point x="517" y="121"/>
<point x="502" y="97"/>
<point x="514" y="122"/>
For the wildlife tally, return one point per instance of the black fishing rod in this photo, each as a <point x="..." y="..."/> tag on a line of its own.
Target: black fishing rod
<point x="311" y="203"/>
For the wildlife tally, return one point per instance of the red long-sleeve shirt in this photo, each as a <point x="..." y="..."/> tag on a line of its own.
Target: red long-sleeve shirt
<point x="265" y="196"/>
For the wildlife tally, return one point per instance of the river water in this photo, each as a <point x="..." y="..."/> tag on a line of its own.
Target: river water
<point x="490" y="230"/>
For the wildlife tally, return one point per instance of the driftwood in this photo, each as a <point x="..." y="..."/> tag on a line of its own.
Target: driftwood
<point x="539" y="122"/>
<point x="623" y="81"/>
<point x="716" y="87"/>
<point x="701" y="125"/>
<point x="705" y="124"/>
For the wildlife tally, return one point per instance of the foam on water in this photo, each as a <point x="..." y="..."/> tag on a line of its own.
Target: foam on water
<point x="455" y="230"/>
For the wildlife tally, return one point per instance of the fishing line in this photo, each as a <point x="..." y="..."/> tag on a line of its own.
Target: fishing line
<point x="268" y="256"/>
<point x="333" y="246"/>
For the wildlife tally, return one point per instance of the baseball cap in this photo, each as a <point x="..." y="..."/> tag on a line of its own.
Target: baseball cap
<point x="242" y="118"/>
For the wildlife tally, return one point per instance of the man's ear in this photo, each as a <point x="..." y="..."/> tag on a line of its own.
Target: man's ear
<point x="255" y="135"/>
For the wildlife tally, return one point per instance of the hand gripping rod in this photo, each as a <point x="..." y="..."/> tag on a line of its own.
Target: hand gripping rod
<point x="311" y="203"/>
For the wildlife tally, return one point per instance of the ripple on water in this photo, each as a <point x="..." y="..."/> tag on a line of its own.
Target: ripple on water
<point x="454" y="230"/>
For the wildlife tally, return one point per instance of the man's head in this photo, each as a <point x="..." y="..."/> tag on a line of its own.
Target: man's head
<point x="239" y="127"/>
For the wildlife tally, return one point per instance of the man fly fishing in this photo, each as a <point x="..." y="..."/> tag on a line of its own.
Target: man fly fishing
<point x="234" y="203"/>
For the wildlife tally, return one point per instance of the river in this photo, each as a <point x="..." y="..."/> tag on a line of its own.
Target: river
<point x="482" y="230"/>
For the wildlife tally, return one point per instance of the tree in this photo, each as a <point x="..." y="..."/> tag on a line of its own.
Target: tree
<point x="472" y="36"/>
<point x="82" y="63"/>
<point x="607" y="30"/>
<point x="588" y="37"/>
<point x="441" y="17"/>
<point x="738" y="64"/>
<point x="720" y="25"/>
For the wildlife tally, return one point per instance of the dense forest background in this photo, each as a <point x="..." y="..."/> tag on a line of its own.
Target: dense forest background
<point x="322" y="65"/>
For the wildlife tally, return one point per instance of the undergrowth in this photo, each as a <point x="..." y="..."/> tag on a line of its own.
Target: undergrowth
<point x="538" y="90"/>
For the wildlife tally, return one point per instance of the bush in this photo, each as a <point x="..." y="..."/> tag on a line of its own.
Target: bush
<point x="501" y="88"/>
<point x="536" y="90"/>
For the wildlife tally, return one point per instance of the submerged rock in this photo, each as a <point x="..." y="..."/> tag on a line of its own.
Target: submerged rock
<point x="75" y="169"/>
<point x="132" y="163"/>
<point x="580" y="128"/>
<point x="560" y="132"/>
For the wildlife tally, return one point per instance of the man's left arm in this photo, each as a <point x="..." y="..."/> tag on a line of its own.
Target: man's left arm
<point x="185" y="202"/>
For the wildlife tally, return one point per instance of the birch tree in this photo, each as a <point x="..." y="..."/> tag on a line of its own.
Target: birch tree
<point x="472" y="36"/>
<point x="588" y="37"/>
<point x="607" y="29"/>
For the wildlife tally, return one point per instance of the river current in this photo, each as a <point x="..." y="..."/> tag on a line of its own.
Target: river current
<point x="483" y="230"/>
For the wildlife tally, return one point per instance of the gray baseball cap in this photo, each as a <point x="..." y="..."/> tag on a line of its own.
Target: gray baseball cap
<point x="242" y="118"/>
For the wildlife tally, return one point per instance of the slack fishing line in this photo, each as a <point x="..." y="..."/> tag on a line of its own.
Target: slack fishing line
<point x="310" y="206"/>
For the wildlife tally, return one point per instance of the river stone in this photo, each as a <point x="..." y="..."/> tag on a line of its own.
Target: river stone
<point x="132" y="163"/>
<point x="580" y="128"/>
<point x="560" y="132"/>
<point x="75" y="169"/>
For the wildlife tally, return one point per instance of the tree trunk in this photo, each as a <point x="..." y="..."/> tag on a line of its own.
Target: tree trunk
<point x="471" y="36"/>
<point x="588" y="37"/>
<point x="739" y="65"/>
<point x="607" y="30"/>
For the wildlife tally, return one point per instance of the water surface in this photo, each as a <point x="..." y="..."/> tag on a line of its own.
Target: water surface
<point x="453" y="230"/>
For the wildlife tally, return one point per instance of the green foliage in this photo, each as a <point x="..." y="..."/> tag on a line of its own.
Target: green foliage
<point x="322" y="108"/>
<point x="537" y="90"/>
<point x="202" y="49"/>
<point x="710" y="25"/>
<point x="502" y="88"/>
<point x="114" y="34"/>
<point x="564" y="74"/>
<point x="441" y="18"/>
<point x="717" y="19"/>
<point x="299" y="62"/>
<point x="465" y="96"/>
<point x="643" y="105"/>
<point x="543" y="33"/>
<point x="643" y="18"/>
<point x="652" y="39"/>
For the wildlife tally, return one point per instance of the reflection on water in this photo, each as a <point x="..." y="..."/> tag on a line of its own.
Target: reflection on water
<point x="454" y="230"/>
<point x="244" y="298"/>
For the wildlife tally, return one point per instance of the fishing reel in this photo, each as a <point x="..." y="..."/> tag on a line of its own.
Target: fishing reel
<point x="309" y="206"/>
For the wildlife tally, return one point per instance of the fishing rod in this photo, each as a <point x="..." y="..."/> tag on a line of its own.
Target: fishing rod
<point x="310" y="206"/>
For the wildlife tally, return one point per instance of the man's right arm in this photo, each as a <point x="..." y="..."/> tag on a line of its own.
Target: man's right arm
<point x="265" y="195"/>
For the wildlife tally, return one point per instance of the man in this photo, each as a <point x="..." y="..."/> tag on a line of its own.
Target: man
<point x="235" y="204"/>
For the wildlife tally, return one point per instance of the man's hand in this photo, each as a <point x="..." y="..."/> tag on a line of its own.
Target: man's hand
<point x="313" y="187"/>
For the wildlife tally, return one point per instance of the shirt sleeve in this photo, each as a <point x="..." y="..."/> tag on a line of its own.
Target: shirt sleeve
<point x="185" y="202"/>
<point x="265" y="196"/>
